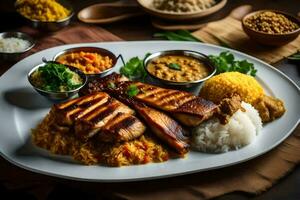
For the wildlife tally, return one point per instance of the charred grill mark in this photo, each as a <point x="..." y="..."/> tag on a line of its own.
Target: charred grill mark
<point x="87" y="109"/>
<point x="89" y="103"/>
<point x="73" y="113"/>
<point x="75" y="103"/>
<point x="105" y="113"/>
<point x="197" y="106"/>
<point x="165" y="94"/>
<point x="97" y="110"/>
<point x="67" y="104"/>
<point x="70" y="108"/>
<point x="92" y="97"/>
<point x="147" y="93"/>
<point x="175" y="100"/>
<point x="124" y="123"/>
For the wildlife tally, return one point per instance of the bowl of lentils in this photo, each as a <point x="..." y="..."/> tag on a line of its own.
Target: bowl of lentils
<point x="271" y="27"/>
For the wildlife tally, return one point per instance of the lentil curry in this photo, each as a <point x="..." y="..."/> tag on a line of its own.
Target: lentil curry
<point x="178" y="68"/>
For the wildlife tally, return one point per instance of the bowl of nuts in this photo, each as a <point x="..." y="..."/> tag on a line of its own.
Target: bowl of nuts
<point x="271" y="27"/>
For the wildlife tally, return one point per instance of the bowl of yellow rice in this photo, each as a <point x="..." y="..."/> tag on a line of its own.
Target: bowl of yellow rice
<point x="47" y="15"/>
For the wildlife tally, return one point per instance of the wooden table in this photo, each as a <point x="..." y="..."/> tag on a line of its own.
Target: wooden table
<point x="141" y="29"/>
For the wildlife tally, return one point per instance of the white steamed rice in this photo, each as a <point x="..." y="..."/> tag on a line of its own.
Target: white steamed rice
<point x="241" y="130"/>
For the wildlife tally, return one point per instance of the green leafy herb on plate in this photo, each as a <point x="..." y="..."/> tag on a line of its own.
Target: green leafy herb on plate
<point x="174" y="66"/>
<point x="225" y="62"/>
<point x="111" y="85"/>
<point x="134" y="69"/>
<point x="132" y="90"/>
<point x="294" y="57"/>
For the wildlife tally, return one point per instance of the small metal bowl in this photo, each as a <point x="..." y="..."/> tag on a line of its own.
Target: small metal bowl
<point x="57" y="96"/>
<point x="199" y="56"/>
<point x="52" y="25"/>
<point x="98" y="50"/>
<point x="13" y="56"/>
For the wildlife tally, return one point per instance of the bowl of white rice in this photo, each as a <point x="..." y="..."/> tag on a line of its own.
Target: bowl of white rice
<point x="14" y="44"/>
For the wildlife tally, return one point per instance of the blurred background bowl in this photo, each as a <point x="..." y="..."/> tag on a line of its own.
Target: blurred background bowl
<point x="147" y="5"/>
<point x="57" y="96"/>
<point x="52" y="25"/>
<point x="268" y="38"/>
<point x="101" y="51"/>
<point x="13" y="56"/>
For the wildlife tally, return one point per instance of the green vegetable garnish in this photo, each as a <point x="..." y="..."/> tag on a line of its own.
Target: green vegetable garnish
<point x="295" y="56"/>
<point x="134" y="69"/>
<point x="225" y="62"/>
<point x="111" y="85"/>
<point x="132" y="90"/>
<point x="174" y="66"/>
<point x="56" y="77"/>
<point x="180" y="35"/>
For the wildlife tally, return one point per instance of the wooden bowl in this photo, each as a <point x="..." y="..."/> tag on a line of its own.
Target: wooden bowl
<point x="147" y="6"/>
<point x="271" y="39"/>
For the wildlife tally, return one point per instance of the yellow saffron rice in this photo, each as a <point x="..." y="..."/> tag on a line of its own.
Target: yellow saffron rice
<point x="59" y="141"/>
<point x="42" y="10"/>
<point x="229" y="83"/>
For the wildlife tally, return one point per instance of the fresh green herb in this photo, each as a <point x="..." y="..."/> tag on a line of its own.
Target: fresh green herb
<point x="174" y="66"/>
<point x="184" y="35"/>
<point x="225" y="62"/>
<point x="132" y="90"/>
<point x="295" y="56"/>
<point x="180" y="35"/>
<point x="111" y="85"/>
<point x="56" y="77"/>
<point x="134" y="69"/>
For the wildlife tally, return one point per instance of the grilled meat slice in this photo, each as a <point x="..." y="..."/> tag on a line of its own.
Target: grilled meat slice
<point x="189" y="109"/>
<point x="163" y="126"/>
<point x="92" y="123"/>
<point x="68" y="112"/>
<point x="122" y="127"/>
<point x="90" y="113"/>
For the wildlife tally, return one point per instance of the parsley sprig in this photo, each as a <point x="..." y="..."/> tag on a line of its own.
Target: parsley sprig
<point x="132" y="90"/>
<point x="134" y="69"/>
<point x="225" y="62"/>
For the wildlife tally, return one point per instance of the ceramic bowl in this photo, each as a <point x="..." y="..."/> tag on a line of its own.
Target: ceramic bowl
<point x="147" y="5"/>
<point x="271" y="39"/>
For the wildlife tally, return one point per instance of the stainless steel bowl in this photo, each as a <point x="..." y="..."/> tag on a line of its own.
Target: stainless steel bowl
<point x="57" y="96"/>
<point x="13" y="56"/>
<point x="51" y="26"/>
<point x="199" y="56"/>
<point x="98" y="50"/>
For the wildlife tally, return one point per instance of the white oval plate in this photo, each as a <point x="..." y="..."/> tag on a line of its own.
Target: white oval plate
<point x="22" y="108"/>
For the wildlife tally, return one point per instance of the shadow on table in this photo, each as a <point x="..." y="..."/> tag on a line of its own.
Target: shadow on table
<point x="26" y="98"/>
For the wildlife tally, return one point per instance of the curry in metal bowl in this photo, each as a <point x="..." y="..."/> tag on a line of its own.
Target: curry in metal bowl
<point x="180" y="66"/>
